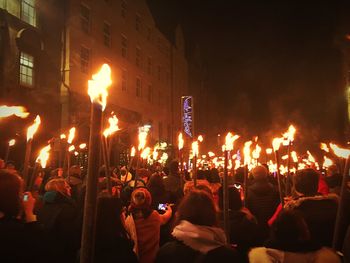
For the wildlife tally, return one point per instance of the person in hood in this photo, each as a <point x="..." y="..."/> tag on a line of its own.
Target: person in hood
<point x="197" y="237"/>
<point x="262" y="198"/>
<point x="61" y="220"/>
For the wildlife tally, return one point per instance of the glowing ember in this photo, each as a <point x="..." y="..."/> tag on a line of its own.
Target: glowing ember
<point x="44" y="156"/>
<point x="229" y="140"/>
<point x="71" y="148"/>
<point x="327" y="162"/>
<point x="97" y="87"/>
<point x="12" y="142"/>
<point x="7" y="111"/>
<point x="82" y="146"/>
<point x="289" y="135"/>
<point x="340" y="152"/>
<point x="324" y="147"/>
<point x="71" y="135"/>
<point x="246" y="152"/>
<point x="145" y="153"/>
<point x="180" y="141"/>
<point x="113" y="126"/>
<point x="33" y="128"/>
<point x="195" y="148"/>
<point x="268" y="151"/>
<point x="310" y="157"/>
<point x="200" y="138"/>
<point x="276" y="143"/>
<point x="294" y="156"/>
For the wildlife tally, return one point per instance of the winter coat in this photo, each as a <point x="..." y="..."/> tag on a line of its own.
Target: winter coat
<point x="194" y="243"/>
<point x="319" y="213"/>
<point x="270" y="255"/>
<point x="62" y="224"/>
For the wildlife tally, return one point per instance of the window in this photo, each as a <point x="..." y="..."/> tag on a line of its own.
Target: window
<point x="149" y="65"/>
<point x="28" y="13"/>
<point x="85" y="18"/>
<point x="138" y="88"/>
<point x="124" y="46"/>
<point x="123" y="9"/>
<point x="138" y="23"/>
<point x="124" y="79"/>
<point x="26" y="70"/>
<point x="150" y="93"/>
<point x="138" y="57"/>
<point x="106" y="34"/>
<point x="84" y="59"/>
<point x="160" y="130"/>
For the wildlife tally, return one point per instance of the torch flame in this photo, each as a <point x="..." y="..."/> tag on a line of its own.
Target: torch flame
<point x="133" y="151"/>
<point x="195" y="149"/>
<point x="284" y="157"/>
<point x="142" y="139"/>
<point x="200" y="138"/>
<point x="33" y="128"/>
<point x="180" y="141"/>
<point x="145" y="153"/>
<point x="155" y="153"/>
<point x="289" y="135"/>
<point x="256" y="152"/>
<point x="268" y="151"/>
<point x="211" y="154"/>
<point x="276" y="143"/>
<point x="71" y="135"/>
<point x="294" y="156"/>
<point x="310" y="157"/>
<point x="44" y="156"/>
<point x="324" y="147"/>
<point x="12" y="142"/>
<point x="327" y="162"/>
<point x="82" y="146"/>
<point x="230" y="139"/>
<point x="97" y="87"/>
<point x="340" y="152"/>
<point x="63" y="136"/>
<point x="113" y="126"/>
<point x="246" y="152"/>
<point x="71" y="148"/>
<point x="7" y="111"/>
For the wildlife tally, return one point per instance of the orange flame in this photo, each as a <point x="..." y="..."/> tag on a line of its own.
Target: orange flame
<point x="324" y="147"/>
<point x="327" y="162"/>
<point x="256" y="152"/>
<point x="155" y="153"/>
<point x="284" y="157"/>
<point x="97" y="87"/>
<point x="180" y="141"/>
<point x="7" y="111"/>
<point x="71" y="148"/>
<point x="133" y="151"/>
<point x="229" y="140"/>
<point x="12" y="142"/>
<point x="142" y="139"/>
<point x="113" y="126"/>
<point x="276" y="143"/>
<point x="44" y="156"/>
<point x="195" y="148"/>
<point x="82" y="146"/>
<point x="310" y="157"/>
<point x="200" y="138"/>
<point x="76" y="153"/>
<point x="71" y="135"/>
<point x="246" y="152"/>
<point x="63" y="136"/>
<point x="211" y="154"/>
<point x="294" y="156"/>
<point x="33" y="128"/>
<point x="289" y="135"/>
<point x="145" y="153"/>
<point x="268" y="151"/>
<point x="340" y="152"/>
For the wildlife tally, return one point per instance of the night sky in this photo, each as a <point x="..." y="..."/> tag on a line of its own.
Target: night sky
<point x="269" y="63"/>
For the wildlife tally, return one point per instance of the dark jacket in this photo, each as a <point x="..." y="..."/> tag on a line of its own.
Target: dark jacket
<point x="320" y="214"/>
<point x="21" y="242"/>
<point x="177" y="251"/>
<point x="62" y="224"/>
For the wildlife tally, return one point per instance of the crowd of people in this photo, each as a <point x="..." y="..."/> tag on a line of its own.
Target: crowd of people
<point x="157" y="214"/>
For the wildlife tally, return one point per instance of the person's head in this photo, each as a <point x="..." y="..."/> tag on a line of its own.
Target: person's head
<point x="109" y="219"/>
<point x="289" y="229"/>
<point x="201" y="175"/>
<point x="58" y="185"/>
<point x="239" y="175"/>
<point x="260" y="173"/>
<point x="198" y="208"/>
<point x="213" y="176"/>
<point x="174" y="168"/>
<point x="306" y="182"/>
<point x="143" y="174"/>
<point x="75" y="171"/>
<point x="140" y="202"/>
<point x="11" y="188"/>
<point x="155" y="184"/>
<point x="234" y="196"/>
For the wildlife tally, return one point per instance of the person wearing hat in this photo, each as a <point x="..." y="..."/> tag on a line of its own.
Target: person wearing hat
<point x="143" y="224"/>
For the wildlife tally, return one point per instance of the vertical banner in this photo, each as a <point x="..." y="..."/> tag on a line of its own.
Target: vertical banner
<point x="187" y="115"/>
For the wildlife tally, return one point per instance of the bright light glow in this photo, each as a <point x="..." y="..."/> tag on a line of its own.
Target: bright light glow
<point x="63" y="136"/>
<point x="82" y="146"/>
<point x="98" y="86"/>
<point x="284" y="157"/>
<point x="211" y="154"/>
<point x="133" y="151"/>
<point x="276" y="143"/>
<point x="268" y="151"/>
<point x="324" y="147"/>
<point x="294" y="156"/>
<point x="340" y="152"/>
<point x="256" y="152"/>
<point x="76" y="153"/>
<point x="327" y="162"/>
<point x="289" y="135"/>
<point x="164" y="157"/>
<point x="71" y="135"/>
<point x="143" y="132"/>
<point x="71" y="148"/>
<point x="145" y="153"/>
<point x="310" y="157"/>
<point x="229" y="140"/>
<point x="12" y="142"/>
<point x="7" y="111"/>
<point x="44" y="156"/>
<point x="246" y="152"/>
<point x="195" y="148"/>
<point x="33" y="128"/>
<point x="200" y="138"/>
<point x="180" y="141"/>
<point x="113" y="126"/>
<point x="155" y="153"/>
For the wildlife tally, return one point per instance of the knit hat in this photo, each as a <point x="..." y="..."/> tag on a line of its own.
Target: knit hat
<point x="140" y="199"/>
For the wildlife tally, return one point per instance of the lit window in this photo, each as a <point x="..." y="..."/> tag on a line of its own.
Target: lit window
<point x="138" y="57"/>
<point x="85" y="18"/>
<point x="123" y="8"/>
<point x="106" y="34"/>
<point x="124" y="79"/>
<point x="138" y="23"/>
<point x="26" y="70"/>
<point x="149" y="65"/>
<point x="84" y="59"/>
<point x="138" y="88"/>
<point x="150" y="93"/>
<point x="124" y="46"/>
<point x="28" y="13"/>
